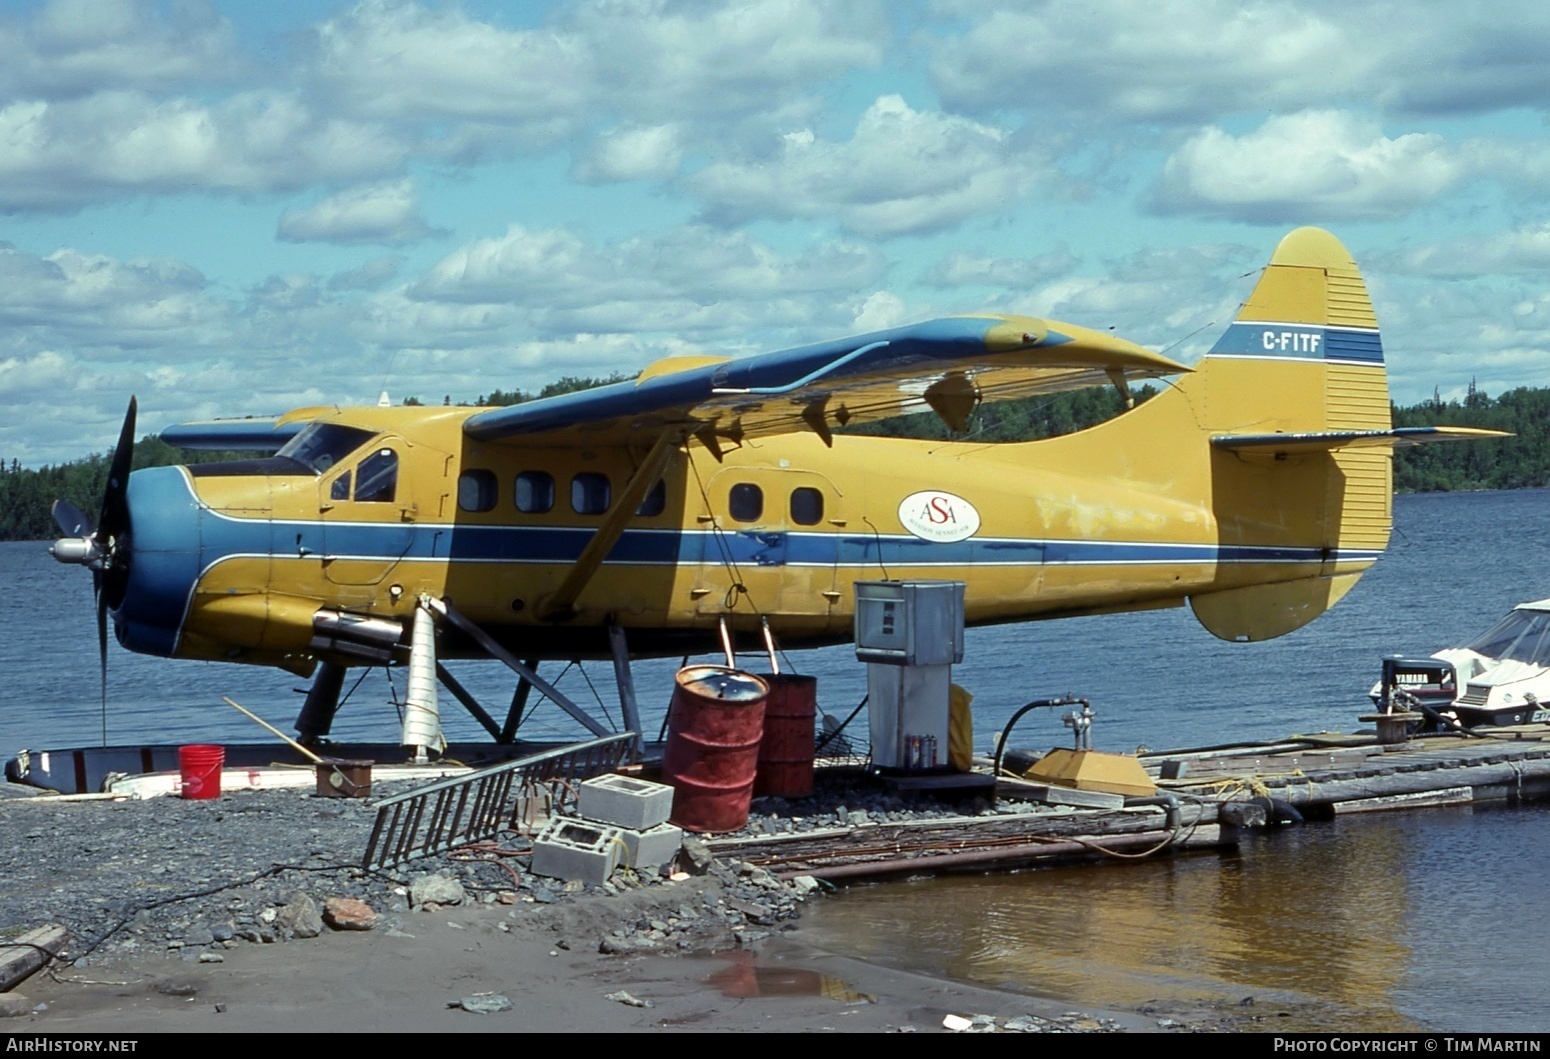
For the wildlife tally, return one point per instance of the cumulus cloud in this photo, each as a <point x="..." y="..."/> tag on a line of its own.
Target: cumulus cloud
<point x="704" y="60"/>
<point x="100" y="302"/>
<point x="959" y="269"/>
<point x="44" y="372"/>
<point x="643" y="60"/>
<point x="76" y="47"/>
<point x="1181" y="61"/>
<point x="60" y="156"/>
<point x="556" y="269"/>
<point x="903" y="171"/>
<point x="379" y="213"/>
<point x="640" y="153"/>
<point x="1324" y="163"/>
<point x="1172" y="60"/>
<point x="1176" y="299"/>
<point x="1522" y="250"/>
<point x="369" y="276"/>
<point x="407" y="62"/>
<point x="517" y="310"/>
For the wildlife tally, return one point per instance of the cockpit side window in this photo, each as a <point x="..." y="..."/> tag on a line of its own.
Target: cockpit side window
<point x="340" y="490"/>
<point x="321" y="445"/>
<point x="378" y="477"/>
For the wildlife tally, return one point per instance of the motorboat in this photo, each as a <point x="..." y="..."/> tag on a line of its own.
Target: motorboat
<point x="1504" y="673"/>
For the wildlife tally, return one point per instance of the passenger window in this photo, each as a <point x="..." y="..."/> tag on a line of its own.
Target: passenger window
<point x="655" y="502"/>
<point x="378" y="477"/>
<point x="535" y="492"/>
<point x="806" y="506"/>
<point x="746" y="502"/>
<point x="476" y="490"/>
<point x="589" y="493"/>
<point x="340" y="490"/>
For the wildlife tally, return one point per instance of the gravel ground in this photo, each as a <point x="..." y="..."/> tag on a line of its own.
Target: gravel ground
<point x="190" y="880"/>
<point x="193" y="877"/>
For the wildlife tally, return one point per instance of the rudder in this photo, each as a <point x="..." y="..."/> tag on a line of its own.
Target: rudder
<point x="1302" y="357"/>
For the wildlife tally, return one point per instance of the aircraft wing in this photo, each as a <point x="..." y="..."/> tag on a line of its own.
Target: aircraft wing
<point x="238" y="435"/>
<point x="949" y="365"/>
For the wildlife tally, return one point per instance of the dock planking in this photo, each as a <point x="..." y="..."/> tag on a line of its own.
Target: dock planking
<point x="1218" y="796"/>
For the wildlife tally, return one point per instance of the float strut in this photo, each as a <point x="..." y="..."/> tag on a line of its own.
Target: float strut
<point x="317" y="713"/>
<point x="518" y="705"/>
<point x="495" y="650"/>
<point x="470" y="703"/>
<point x="627" y="704"/>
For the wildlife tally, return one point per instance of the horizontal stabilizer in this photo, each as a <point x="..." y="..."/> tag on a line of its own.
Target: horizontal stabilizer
<point x="1323" y="441"/>
<point x="236" y="435"/>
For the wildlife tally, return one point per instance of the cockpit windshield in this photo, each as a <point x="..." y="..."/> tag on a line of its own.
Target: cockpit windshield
<point x="1522" y="636"/>
<point x="321" y="445"/>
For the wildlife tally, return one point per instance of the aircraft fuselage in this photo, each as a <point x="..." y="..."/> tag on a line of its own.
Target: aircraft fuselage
<point x="385" y="505"/>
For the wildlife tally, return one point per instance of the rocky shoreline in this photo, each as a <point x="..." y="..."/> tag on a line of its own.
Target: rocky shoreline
<point x="194" y="878"/>
<point x="188" y="882"/>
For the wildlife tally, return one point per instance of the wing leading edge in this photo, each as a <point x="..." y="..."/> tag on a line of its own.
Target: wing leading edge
<point x="949" y="365"/>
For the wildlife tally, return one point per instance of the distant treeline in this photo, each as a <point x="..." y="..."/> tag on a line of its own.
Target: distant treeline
<point x="1519" y="462"/>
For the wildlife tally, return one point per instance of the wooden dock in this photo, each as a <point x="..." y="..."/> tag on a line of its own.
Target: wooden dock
<point x="1207" y="799"/>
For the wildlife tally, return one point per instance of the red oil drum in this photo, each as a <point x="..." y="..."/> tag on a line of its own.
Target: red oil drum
<point x="786" y="751"/>
<point x="199" y="768"/>
<point x="714" y="727"/>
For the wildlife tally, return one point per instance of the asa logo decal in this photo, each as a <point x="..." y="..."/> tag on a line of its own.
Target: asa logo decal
<point x="941" y="517"/>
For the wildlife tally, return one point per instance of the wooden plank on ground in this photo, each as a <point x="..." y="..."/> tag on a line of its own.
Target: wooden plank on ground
<point x="22" y="956"/>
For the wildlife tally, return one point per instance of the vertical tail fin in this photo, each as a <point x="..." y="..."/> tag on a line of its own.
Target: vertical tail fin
<point x="1302" y="357"/>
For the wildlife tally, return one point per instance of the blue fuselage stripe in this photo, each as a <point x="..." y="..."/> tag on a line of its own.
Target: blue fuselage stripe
<point x="1300" y="341"/>
<point x="545" y="544"/>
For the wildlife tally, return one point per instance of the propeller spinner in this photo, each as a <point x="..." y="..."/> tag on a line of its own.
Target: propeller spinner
<point x="103" y="549"/>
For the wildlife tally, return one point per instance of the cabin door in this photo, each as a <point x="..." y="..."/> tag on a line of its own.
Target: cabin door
<point x="368" y="515"/>
<point x="778" y="529"/>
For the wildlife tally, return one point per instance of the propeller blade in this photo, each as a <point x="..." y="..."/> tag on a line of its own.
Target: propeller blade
<point x="71" y="520"/>
<point x="115" y="508"/>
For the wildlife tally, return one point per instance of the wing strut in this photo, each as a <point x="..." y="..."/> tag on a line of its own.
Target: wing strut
<point x="560" y="604"/>
<point x="495" y="650"/>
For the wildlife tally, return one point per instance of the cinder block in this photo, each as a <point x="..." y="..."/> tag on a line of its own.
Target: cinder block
<point x="625" y="801"/>
<point x="652" y="848"/>
<point x="577" y="849"/>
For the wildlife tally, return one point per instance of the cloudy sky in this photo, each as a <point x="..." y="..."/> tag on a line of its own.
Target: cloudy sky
<point x="233" y="208"/>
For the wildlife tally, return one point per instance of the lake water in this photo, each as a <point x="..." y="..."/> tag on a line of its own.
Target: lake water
<point x="1422" y="918"/>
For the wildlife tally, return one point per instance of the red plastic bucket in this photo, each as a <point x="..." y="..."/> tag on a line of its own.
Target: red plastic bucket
<point x="786" y="751"/>
<point x="714" y="727"/>
<point x="200" y="767"/>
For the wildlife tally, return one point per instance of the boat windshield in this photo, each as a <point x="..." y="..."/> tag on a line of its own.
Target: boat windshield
<point x="1522" y="636"/>
<point x="321" y="445"/>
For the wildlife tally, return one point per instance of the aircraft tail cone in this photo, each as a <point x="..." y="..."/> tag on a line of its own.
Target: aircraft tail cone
<point x="422" y="718"/>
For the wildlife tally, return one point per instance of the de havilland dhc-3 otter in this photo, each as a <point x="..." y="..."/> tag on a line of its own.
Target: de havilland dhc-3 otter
<point x="720" y="492"/>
